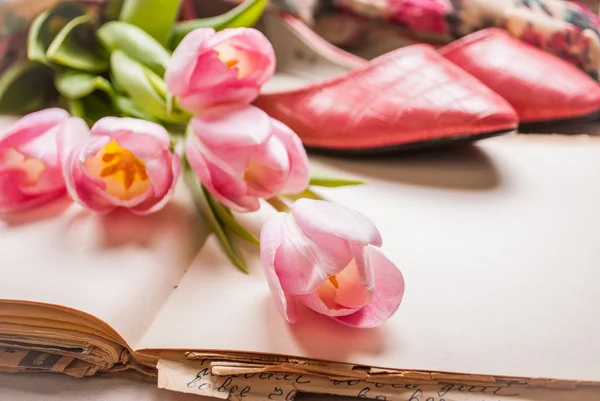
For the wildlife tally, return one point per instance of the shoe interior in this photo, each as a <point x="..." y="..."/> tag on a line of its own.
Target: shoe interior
<point x="302" y="57"/>
<point x="306" y="55"/>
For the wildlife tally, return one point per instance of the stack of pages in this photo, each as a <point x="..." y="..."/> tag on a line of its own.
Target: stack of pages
<point x="498" y="244"/>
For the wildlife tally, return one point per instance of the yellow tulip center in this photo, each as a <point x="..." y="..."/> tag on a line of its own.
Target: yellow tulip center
<point x="124" y="174"/>
<point x="231" y="63"/>
<point x="334" y="281"/>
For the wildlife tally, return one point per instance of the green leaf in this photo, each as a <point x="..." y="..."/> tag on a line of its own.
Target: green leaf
<point x="90" y="97"/>
<point x="128" y="108"/>
<point x="46" y="26"/>
<point x="331" y="182"/>
<point x="157" y="83"/>
<point x="221" y="231"/>
<point x="130" y="76"/>
<point x="245" y="15"/>
<point x="92" y="107"/>
<point x="25" y="87"/>
<point x="74" y="47"/>
<point x="225" y="216"/>
<point x="74" y="84"/>
<point x="306" y="194"/>
<point x="137" y="44"/>
<point x="153" y="16"/>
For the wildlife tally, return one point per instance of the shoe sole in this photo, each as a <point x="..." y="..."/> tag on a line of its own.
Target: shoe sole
<point x="408" y="147"/>
<point x="551" y="126"/>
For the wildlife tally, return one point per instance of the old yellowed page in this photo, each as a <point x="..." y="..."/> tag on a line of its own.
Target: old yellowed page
<point x="498" y="244"/>
<point x="197" y="377"/>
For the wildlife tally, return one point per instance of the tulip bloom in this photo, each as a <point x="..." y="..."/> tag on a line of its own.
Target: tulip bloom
<point x="326" y="257"/>
<point x="30" y="172"/>
<point x="210" y="68"/>
<point x="242" y="155"/>
<point x="122" y="162"/>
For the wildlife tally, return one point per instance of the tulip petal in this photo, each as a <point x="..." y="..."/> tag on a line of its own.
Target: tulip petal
<point x="268" y="170"/>
<point x="226" y="67"/>
<point x="364" y="270"/>
<point x="236" y="125"/>
<point x="271" y="237"/>
<point x="211" y="72"/>
<point x="345" y="297"/>
<point x="81" y="190"/>
<point x="352" y="291"/>
<point x="228" y="182"/>
<point x="31" y="126"/>
<point x="296" y="262"/>
<point x="327" y="225"/>
<point x="183" y="62"/>
<point x="113" y="200"/>
<point x="73" y="147"/>
<point x="387" y="296"/>
<point x="194" y="152"/>
<point x="237" y="160"/>
<point x="42" y="148"/>
<point x="50" y="180"/>
<point x="254" y="52"/>
<point x="118" y="128"/>
<point x="237" y="92"/>
<point x="14" y="200"/>
<point x="286" y="305"/>
<point x="36" y="178"/>
<point x="161" y="198"/>
<point x="160" y="173"/>
<point x="299" y="175"/>
<point x="314" y="302"/>
<point x="318" y="218"/>
<point x="73" y="134"/>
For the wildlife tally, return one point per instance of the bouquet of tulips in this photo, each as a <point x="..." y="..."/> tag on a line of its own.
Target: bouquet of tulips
<point x="136" y="98"/>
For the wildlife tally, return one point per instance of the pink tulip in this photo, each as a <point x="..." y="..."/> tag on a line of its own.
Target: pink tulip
<point x="30" y="172"/>
<point x="242" y="155"/>
<point x="210" y="68"/>
<point x="122" y="162"/>
<point x="326" y="257"/>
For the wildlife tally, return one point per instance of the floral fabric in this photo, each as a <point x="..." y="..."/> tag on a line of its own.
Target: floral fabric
<point x="567" y="29"/>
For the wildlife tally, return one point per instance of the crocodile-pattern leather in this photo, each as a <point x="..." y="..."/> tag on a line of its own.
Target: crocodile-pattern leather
<point x="406" y="96"/>
<point x="540" y="86"/>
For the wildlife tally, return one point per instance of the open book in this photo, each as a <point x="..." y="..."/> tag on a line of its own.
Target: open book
<point x="498" y="244"/>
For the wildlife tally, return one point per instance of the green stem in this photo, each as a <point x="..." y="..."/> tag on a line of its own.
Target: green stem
<point x="154" y="16"/>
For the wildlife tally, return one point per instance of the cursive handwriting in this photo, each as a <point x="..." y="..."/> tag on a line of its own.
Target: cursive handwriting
<point x="232" y="390"/>
<point x="496" y="390"/>
<point x="288" y="377"/>
<point x="279" y="394"/>
<point x="226" y="386"/>
<point x="199" y="376"/>
<point x="348" y="383"/>
<point x="418" y="396"/>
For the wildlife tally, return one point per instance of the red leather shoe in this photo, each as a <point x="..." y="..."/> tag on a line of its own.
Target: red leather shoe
<point x="540" y="86"/>
<point x="408" y="98"/>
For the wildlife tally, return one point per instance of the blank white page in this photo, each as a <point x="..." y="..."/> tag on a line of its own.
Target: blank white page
<point x="499" y="246"/>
